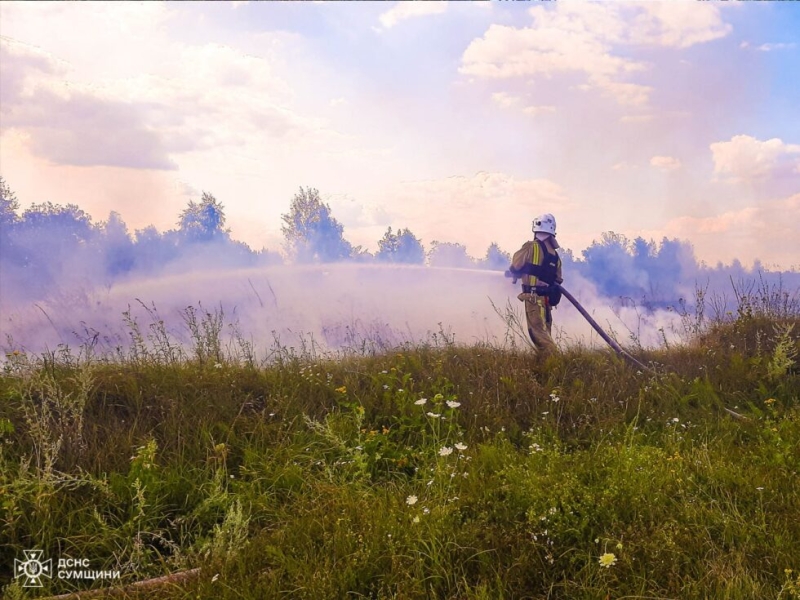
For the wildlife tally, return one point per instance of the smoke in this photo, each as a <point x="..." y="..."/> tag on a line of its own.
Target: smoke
<point x="66" y="281"/>
<point x="336" y="306"/>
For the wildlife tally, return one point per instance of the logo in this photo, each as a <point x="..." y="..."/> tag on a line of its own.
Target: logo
<point x="33" y="568"/>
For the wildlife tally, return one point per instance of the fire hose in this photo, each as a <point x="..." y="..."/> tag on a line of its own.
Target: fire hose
<point x="607" y="338"/>
<point x="612" y="343"/>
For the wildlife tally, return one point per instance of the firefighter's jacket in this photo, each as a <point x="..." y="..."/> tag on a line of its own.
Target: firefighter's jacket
<point x="539" y="254"/>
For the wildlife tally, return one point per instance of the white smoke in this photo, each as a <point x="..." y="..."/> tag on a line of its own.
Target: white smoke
<point x="334" y="307"/>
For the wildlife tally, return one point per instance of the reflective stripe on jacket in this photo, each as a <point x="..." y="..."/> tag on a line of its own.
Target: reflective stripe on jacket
<point x="535" y="252"/>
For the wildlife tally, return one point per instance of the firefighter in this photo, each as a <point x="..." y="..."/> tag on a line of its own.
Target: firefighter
<point x="538" y="265"/>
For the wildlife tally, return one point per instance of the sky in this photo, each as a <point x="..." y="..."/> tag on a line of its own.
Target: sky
<point x="458" y="120"/>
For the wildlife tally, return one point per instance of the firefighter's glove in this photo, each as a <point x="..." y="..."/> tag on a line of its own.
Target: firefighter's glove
<point x="525" y="296"/>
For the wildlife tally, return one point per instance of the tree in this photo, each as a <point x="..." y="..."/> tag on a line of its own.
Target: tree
<point x="311" y="233"/>
<point x="400" y="247"/>
<point x="203" y="221"/>
<point x="57" y="224"/>
<point x="495" y="259"/>
<point x="448" y="254"/>
<point x="8" y="205"/>
<point x="116" y="245"/>
<point x="153" y="250"/>
<point x="52" y="242"/>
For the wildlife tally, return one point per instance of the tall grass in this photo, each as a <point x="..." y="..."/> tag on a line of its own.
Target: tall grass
<point x="425" y="471"/>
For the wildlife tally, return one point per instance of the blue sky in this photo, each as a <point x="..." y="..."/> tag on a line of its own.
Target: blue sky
<point x="461" y="121"/>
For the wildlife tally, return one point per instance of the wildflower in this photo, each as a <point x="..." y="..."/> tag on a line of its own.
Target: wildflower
<point x="554" y="397"/>
<point x="426" y="511"/>
<point x="535" y="447"/>
<point x="421" y="401"/>
<point x="453" y="404"/>
<point x="342" y="390"/>
<point x="215" y="577"/>
<point x="460" y="446"/>
<point x="415" y="520"/>
<point x="384" y="371"/>
<point x="445" y="451"/>
<point x="218" y="365"/>
<point x="607" y="560"/>
<point x="769" y="401"/>
<point x="411" y="500"/>
<point x="438" y="397"/>
<point x="386" y="387"/>
<point x="433" y="415"/>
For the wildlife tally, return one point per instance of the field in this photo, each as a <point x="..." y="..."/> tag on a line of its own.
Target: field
<point x="429" y="471"/>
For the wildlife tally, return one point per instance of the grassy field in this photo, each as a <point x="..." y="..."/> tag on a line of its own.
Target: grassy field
<point x="433" y="471"/>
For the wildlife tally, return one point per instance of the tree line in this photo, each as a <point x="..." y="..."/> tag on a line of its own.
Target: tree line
<point x="49" y="245"/>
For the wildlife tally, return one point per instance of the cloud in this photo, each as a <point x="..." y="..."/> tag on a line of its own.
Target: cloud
<point x="505" y="100"/>
<point x="539" y="110"/>
<point x="72" y="128"/>
<point x="676" y="24"/>
<point x="636" y="118"/>
<point x="22" y="64"/>
<point x="407" y="10"/>
<point x="159" y="99"/>
<point x="583" y="38"/>
<point x="768" y="229"/>
<point x="665" y="163"/>
<point x="769" y="47"/>
<point x="778" y="46"/>
<point x="747" y="159"/>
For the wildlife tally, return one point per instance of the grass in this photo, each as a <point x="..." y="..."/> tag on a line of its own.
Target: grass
<point x="329" y="477"/>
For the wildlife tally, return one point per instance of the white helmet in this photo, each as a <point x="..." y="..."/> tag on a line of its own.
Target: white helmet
<point x="545" y="223"/>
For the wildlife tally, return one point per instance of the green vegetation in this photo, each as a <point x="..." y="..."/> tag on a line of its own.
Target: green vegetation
<point x="434" y="471"/>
